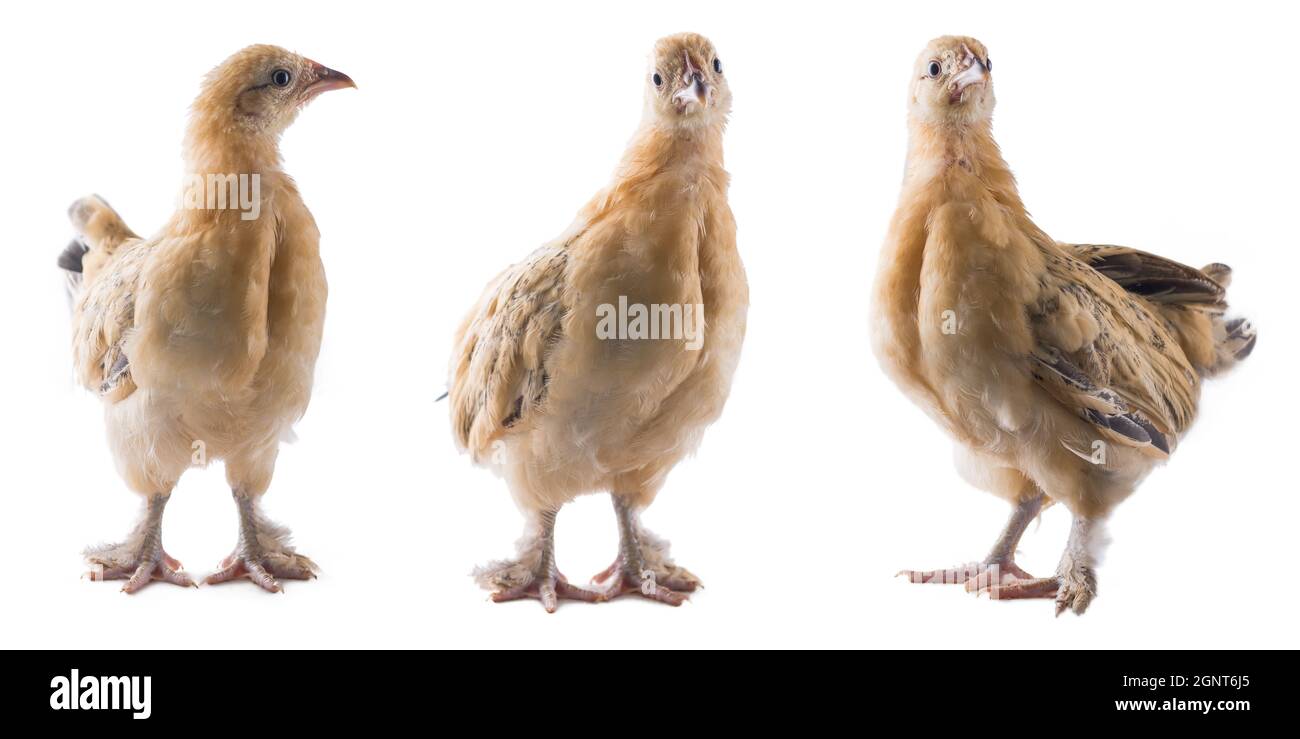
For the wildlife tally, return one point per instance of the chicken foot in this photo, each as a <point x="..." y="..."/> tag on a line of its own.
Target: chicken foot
<point x="140" y="559"/>
<point x="263" y="553"/>
<point x="1075" y="584"/>
<point x="534" y="574"/>
<point x="999" y="567"/>
<point x="643" y="566"/>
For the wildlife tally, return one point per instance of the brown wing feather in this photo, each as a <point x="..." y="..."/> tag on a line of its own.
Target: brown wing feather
<point x="1107" y="354"/>
<point x="498" y="373"/>
<point x="1155" y="278"/>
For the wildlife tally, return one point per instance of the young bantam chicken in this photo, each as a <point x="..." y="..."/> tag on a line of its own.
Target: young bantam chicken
<point x="202" y="340"/>
<point x="546" y="392"/>
<point x="1064" y="372"/>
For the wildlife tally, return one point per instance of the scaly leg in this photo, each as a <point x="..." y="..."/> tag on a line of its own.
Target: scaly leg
<point x="1000" y="566"/>
<point x="263" y="553"/>
<point x="1075" y="583"/>
<point x="140" y="559"/>
<point x="643" y="566"/>
<point x="533" y="574"/>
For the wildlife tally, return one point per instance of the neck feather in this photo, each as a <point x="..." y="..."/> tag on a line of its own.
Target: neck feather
<point x="215" y="144"/>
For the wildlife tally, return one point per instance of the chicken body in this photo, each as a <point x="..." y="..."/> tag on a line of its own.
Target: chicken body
<point x="559" y="409"/>
<point x="1064" y="372"/>
<point x="202" y="340"/>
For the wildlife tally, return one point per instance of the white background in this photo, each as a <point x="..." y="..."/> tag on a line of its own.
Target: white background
<point x="477" y="132"/>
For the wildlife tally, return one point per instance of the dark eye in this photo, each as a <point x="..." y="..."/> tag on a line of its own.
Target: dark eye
<point x="934" y="69"/>
<point x="988" y="64"/>
<point x="659" y="81"/>
<point x="717" y="65"/>
<point x="281" y="78"/>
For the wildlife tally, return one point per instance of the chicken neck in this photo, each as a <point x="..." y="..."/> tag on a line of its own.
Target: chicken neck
<point x="951" y="153"/>
<point x="692" y="154"/>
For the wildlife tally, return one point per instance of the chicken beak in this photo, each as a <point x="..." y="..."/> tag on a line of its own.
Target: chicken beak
<point x="696" y="91"/>
<point x="973" y="74"/>
<point x="326" y="79"/>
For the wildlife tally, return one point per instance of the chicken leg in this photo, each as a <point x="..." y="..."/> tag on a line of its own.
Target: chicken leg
<point x="533" y="574"/>
<point x="643" y="566"/>
<point x="999" y="567"/>
<point x="1075" y="583"/>
<point x="140" y="559"/>
<point x="263" y="553"/>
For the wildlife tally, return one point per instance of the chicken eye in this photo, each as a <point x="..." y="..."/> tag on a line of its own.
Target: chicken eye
<point x="717" y="65"/>
<point x="934" y="69"/>
<point x="659" y="81"/>
<point x="281" y="78"/>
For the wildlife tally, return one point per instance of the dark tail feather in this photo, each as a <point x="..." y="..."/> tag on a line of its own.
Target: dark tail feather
<point x="70" y="262"/>
<point x="70" y="259"/>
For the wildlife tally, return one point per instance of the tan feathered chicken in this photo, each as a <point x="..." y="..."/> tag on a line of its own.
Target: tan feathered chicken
<point x="1065" y="372"/>
<point x="202" y="340"/>
<point x="547" y="394"/>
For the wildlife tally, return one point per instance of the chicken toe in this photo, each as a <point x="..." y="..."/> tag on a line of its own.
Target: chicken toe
<point x="549" y="588"/>
<point x="1076" y="594"/>
<point x="266" y="571"/>
<point x="1071" y="593"/>
<point x="975" y="576"/>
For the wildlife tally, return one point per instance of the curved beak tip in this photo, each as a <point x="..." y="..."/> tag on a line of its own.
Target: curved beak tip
<point x="328" y="79"/>
<point x="337" y="80"/>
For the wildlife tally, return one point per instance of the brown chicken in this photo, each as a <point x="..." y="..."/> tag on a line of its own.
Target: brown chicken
<point x="1064" y="372"/>
<point x="202" y="340"/>
<point x="555" y="391"/>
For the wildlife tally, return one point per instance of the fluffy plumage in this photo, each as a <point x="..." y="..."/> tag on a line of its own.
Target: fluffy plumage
<point x="559" y="412"/>
<point x="201" y="340"/>
<point x="1065" y="372"/>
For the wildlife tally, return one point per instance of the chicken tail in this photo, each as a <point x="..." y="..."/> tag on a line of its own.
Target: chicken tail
<point x="1233" y="338"/>
<point x="98" y="226"/>
<point x="1213" y="342"/>
<point x="100" y="231"/>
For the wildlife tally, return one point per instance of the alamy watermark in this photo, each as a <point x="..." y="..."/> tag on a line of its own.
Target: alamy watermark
<point x="657" y="321"/>
<point x="216" y="191"/>
<point x="93" y="692"/>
